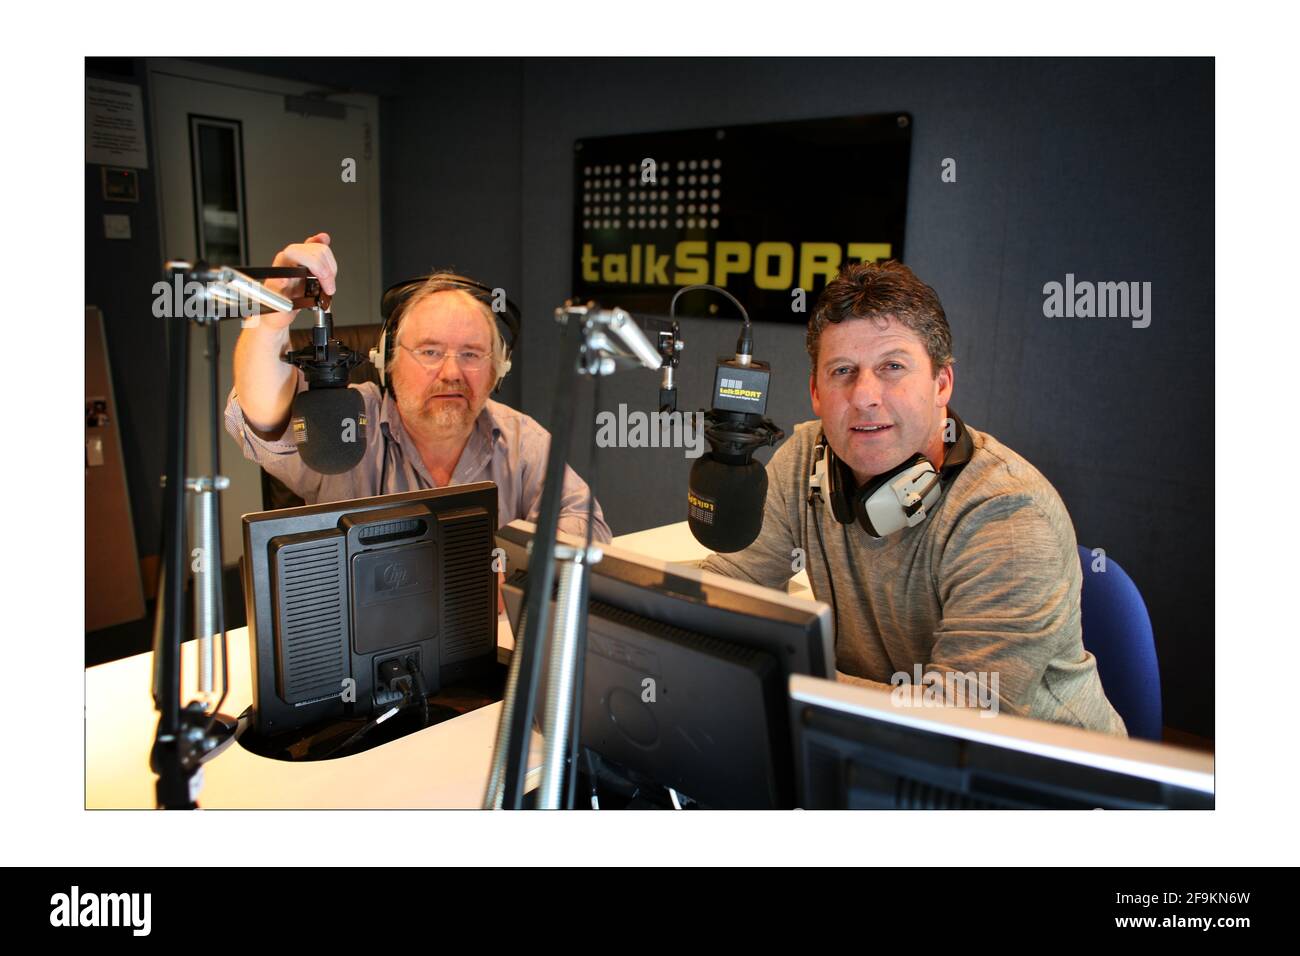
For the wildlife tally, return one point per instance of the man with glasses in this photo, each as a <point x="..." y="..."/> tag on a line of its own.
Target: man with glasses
<point x="434" y="426"/>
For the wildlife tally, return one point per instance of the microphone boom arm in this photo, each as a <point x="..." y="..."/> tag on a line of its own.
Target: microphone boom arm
<point x="186" y="737"/>
<point x="602" y="339"/>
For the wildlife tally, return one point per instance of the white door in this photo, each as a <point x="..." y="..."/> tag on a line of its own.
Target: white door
<point x="237" y="147"/>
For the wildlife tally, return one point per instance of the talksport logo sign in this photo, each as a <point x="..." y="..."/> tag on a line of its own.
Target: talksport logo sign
<point x="768" y="211"/>
<point x="768" y="265"/>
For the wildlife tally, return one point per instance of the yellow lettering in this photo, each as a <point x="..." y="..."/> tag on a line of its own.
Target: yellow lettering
<point x="783" y="252"/>
<point x="818" y="259"/>
<point x="692" y="262"/>
<point x="730" y="258"/>
<point x="772" y="264"/>
<point x="656" y="267"/>
<point x="870" y="251"/>
<point x="613" y="267"/>
<point x="589" y="273"/>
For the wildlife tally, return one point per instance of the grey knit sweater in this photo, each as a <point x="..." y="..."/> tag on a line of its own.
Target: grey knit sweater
<point x="988" y="583"/>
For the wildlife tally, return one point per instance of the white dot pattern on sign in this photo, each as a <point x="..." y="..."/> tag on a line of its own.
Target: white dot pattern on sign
<point x="597" y="178"/>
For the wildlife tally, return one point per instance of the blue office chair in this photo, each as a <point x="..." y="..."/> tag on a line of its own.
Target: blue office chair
<point x="1117" y="631"/>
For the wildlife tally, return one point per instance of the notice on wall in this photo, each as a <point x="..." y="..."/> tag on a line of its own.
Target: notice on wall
<point x="115" y="124"/>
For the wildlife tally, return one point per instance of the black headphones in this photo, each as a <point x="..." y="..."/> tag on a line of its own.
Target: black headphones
<point x="396" y="296"/>
<point x="897" y="499"/>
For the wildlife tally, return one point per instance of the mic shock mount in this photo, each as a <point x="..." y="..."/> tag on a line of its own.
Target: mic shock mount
<point x="326" y="362"/>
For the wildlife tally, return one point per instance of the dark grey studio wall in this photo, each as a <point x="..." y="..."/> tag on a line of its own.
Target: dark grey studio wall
<point x="450" y="159"/>
<point x="1101" y="168"/>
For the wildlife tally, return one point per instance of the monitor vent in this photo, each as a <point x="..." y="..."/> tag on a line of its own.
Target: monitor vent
<point x="725" y="650"/>
<point x="912" y="794"/>
<point x="312" y="632"/>
<point x="392" y="531"/>
<point x="468" y="624"/>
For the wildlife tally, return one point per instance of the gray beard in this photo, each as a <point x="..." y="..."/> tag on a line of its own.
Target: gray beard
<point x="446" y="416"/>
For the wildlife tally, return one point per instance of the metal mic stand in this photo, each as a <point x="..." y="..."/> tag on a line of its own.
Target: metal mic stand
<point x="189" y="736"/>
<point x="601" y="339"/>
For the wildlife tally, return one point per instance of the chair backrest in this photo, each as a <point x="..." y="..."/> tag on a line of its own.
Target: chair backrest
<point x="1117" y="631"/>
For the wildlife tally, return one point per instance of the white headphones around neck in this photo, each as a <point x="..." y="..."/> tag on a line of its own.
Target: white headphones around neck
<point x="899" y="498"/>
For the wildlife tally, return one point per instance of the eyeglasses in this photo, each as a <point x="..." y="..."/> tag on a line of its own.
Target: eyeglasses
<point x="471" y="360"/>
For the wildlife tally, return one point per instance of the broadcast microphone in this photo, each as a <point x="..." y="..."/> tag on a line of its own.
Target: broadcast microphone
<point x="329" y="419"/>
<point x="727" y="490"/>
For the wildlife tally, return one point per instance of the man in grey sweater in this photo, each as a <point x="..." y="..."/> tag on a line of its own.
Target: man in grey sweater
<point x="986" y="587"/>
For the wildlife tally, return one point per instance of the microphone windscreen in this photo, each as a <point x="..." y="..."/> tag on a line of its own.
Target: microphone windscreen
<point x="725" y="503"/>
<point x="329" y="425"/>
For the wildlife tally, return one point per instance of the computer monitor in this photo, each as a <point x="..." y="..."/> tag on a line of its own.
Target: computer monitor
<point x="867" y="748"/>
<point x="342" y="595"/>
<point x="685" y="674"/>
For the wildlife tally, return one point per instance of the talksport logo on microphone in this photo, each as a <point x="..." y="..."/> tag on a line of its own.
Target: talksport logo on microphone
<point x="75" y="909"/>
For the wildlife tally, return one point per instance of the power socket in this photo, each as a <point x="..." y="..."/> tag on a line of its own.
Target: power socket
<point x="392" y="679"/>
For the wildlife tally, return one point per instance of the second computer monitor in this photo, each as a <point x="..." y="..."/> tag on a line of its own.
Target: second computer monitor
<point x="685" y="674"/>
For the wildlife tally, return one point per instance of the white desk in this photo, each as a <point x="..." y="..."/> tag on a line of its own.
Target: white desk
<point x="445" y="765"/>
<point x="675" y="544"/>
